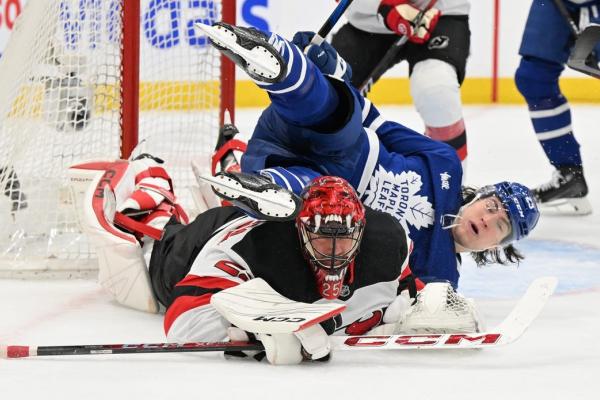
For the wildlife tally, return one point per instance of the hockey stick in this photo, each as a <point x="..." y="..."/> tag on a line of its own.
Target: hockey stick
<point x="585" y="41"/>
<point x="331" y="21"/>
<point x="511" y="329"/>
<point x="565" y="13"/>
<point x="391" y="54"/>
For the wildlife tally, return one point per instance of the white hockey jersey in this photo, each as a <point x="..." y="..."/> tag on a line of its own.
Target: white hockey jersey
<point x="363" y="13"/>
<point x="245" y="248"/>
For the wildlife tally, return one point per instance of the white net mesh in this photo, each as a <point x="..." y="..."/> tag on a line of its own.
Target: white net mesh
<point x="60" y="104"/>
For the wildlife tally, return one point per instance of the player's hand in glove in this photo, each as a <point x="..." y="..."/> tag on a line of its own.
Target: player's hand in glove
<point x="309" y="344"/>
<point x="324" y="56"/>
<point x="401" y="18"/>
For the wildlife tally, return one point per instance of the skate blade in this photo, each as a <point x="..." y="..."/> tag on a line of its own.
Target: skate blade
<point x="270" y="202"/>
<point x="573" y="206"/>
<point x="259" y="61"/>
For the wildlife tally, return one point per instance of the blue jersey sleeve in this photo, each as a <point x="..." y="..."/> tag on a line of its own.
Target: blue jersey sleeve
<point x="291" y="178"/>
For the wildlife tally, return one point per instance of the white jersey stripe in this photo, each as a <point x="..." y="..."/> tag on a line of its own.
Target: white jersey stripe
<point x="300" y="80"/>
<point x="555" y="133"/>
<point x="549" y="113"/>
<point x="370" y="163"/>
<point x="377" y="122"/>
<point x="366" y="109"/>
<point x="280" y="175"/>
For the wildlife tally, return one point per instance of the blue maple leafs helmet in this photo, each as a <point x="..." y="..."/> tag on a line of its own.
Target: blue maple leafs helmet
<point x="520" y="205"/>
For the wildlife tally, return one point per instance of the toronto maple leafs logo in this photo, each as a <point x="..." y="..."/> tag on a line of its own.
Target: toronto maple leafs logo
<point x="396" y="194"/>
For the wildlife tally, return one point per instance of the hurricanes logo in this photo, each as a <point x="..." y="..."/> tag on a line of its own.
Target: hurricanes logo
<point x="397" y="195"/>
<point x="438" y="42"/>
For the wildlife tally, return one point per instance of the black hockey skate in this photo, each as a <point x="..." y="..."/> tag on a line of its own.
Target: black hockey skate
<point x="224" y="157"/>
<point x="249" y="49"/>
<point x="566" y="193"/>
<point x="256" y="195"/>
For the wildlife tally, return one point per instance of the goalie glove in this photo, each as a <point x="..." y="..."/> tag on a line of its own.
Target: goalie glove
<point x="440" y="309"/>
<point x="401" y="18"/>
<point x="324" y="56"/>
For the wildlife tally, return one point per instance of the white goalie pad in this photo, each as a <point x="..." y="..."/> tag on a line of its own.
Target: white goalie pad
<point x="439" y="309"/>
<point x="204" y="197"/>
<point x="256" y="307"/>
<point x="98" y="187"/>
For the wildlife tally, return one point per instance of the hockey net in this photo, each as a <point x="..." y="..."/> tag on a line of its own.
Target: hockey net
<point x="90" y="79"/>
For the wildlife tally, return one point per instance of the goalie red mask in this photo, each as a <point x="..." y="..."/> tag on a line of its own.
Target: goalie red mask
<point x="330" y="225"/>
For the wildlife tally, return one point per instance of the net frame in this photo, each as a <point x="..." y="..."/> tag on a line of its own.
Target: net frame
<point x="15" y="263"/>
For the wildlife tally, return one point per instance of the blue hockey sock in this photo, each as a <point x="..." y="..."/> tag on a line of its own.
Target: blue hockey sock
<point x="551" y="120"/>
<point x="304" y="97"/>
<point x="537" y="80"/>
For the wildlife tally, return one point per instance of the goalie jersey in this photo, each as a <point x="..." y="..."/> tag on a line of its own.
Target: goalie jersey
<point x="222" y="248"/>
<point x="393" y="169"/>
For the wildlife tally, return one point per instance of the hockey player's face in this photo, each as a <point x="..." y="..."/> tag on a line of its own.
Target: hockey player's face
<point x="333" y="249"/>
<point x="482" y="224"/>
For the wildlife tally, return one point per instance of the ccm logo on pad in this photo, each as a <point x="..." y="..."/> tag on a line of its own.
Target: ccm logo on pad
<point x="279" y="319"/>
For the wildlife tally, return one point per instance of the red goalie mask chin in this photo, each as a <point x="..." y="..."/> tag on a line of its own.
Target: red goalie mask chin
<point x="330" y="226"/>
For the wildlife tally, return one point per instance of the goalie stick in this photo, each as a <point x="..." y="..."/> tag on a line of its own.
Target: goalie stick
<point x="509" y="330"/>
<point x="391" y="54"/>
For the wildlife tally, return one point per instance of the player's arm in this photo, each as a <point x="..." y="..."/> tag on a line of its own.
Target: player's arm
<point x="242" y="309"/>
<point x="189" y="316"/>
<point x="396" y="137"/>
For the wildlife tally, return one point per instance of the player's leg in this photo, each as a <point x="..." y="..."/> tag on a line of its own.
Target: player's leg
<point x="298" y="90"/>
<point x="537" y="80"/>
<point x="350" y="43"/>
<point x="437" y="69"/>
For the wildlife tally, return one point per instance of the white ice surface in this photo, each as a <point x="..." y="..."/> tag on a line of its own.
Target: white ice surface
<point x="557" y="358"/>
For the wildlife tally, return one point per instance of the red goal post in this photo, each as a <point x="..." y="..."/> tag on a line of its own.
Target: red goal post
<point x="96" y="79"/>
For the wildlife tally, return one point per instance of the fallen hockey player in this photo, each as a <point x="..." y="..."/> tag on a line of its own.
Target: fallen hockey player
<point x="338" y="263"/>
<point x="318" y="124"/>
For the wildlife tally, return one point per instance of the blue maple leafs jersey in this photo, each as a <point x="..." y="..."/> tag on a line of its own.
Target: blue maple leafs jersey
<point x="393" y="168"/>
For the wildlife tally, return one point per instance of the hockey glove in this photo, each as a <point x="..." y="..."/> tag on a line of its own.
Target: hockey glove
<point x="440" y="309"/>
<point x="401" y="18"/>
<point x="292" y="348"/>
<point x="324" y="56"/>
<point x="310" y="344"/>
<point x="394" y="315"/>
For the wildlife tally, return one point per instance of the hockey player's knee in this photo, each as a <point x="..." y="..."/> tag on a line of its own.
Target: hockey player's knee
<point x="436" y="93"/>
<point x="537" y="79"/>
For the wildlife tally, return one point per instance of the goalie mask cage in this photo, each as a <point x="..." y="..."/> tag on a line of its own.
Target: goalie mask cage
<point x="95" y="79"/>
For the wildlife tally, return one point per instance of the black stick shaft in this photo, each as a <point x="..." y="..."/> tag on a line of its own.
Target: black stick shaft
<point x="140" y="348"/>
<point x="391" y="54"/>
<point x="567" y="16"/>
<point x="331" y="21"/>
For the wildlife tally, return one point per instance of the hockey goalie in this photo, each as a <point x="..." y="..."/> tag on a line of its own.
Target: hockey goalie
<point x="333" y="263"/>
